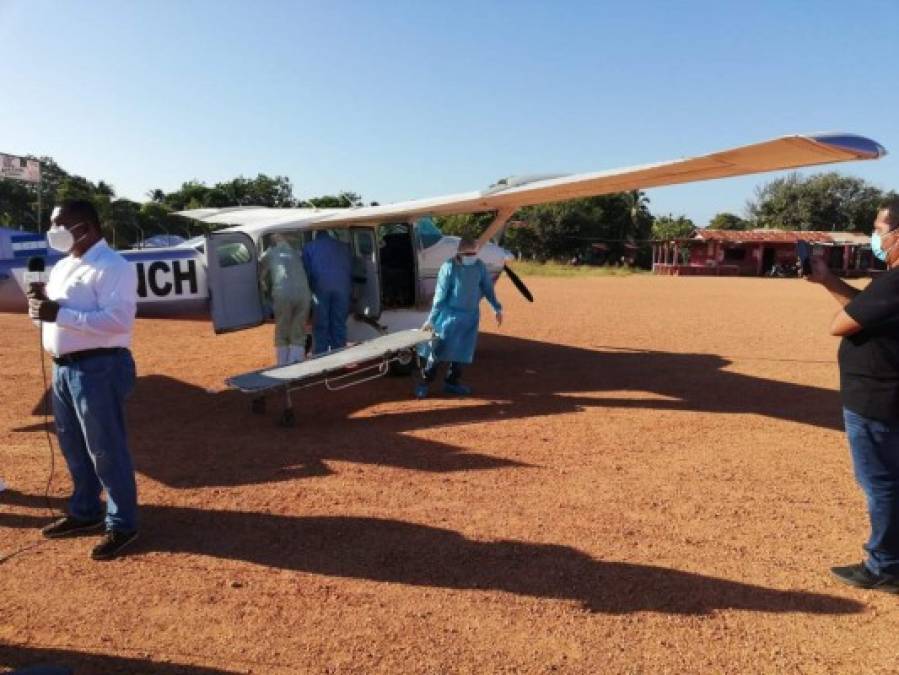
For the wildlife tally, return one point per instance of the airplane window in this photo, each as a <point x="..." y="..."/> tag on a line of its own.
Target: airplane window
<point x="428" y="233"/>
<point x="294" y="238"/>
<point x="340" y="234"/>
<point x="364" y="243"/>
<point x="233" y="254"/>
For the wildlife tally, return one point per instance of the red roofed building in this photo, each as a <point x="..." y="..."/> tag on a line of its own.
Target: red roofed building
<point x="757" y="252"/>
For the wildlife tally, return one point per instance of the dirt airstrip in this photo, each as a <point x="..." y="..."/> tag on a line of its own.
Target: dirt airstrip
<point x="650" y="478"/>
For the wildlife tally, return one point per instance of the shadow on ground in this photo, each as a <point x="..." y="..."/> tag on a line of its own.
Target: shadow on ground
<point x="418" y="555"/>
<point x="82" y="663"/>
<point x="185" y="437"/>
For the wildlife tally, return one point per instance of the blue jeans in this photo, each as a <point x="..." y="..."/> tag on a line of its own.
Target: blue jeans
<point x="89" y="407"/>
<point x="329" y="328"/>
<point x="875" y="460"/>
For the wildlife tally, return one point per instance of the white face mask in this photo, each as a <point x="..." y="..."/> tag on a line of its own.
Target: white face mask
<point x="62" y="239"/>
<point x="469" y="259"/>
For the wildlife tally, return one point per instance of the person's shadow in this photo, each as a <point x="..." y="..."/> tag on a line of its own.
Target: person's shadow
<point x="395" y="551"/>
<point x="186" y="437"/>
<point x="67" y="661"/>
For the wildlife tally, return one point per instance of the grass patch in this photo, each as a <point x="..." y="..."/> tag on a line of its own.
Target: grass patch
<point x="554" y="269"/>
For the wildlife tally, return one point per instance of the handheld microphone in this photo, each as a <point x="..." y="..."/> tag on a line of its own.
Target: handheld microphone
<point x="35" y="275"/>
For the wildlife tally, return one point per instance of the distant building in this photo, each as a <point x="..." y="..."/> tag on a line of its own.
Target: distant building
<point x="757" y="252"/>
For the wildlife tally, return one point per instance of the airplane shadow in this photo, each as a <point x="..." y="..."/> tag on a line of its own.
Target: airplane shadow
<point x="394" y="551"/>
<point x="83" y="663"/>
<point x="185" y="437"/>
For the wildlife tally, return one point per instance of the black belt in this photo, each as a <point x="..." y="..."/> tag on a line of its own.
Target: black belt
<point x="75" y="357"/>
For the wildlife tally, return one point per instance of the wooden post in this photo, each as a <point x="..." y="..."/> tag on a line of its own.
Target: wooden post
<point x="758" y="266"/>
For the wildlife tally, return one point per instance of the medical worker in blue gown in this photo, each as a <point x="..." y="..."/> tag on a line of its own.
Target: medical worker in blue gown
<point x="462" y="282"/>
<point x="329" y="264"/>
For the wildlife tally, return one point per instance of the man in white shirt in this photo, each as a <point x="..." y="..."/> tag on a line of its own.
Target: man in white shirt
<point x="87" y="317"/>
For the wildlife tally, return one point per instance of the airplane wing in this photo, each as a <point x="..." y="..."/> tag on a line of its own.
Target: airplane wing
<point x="787" y="152"/>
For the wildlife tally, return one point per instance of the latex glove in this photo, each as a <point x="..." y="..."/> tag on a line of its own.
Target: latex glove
<point x="499" y="319"/>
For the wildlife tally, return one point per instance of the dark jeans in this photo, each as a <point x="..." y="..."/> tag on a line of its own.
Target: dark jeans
<point x="431" y="367"/>
<point x="89" y="407"/>
<point x="329" y="323"/>
<point x="875" y="459"/>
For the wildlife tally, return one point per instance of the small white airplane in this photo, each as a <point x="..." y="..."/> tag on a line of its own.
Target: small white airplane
<point x="399" y="247"/>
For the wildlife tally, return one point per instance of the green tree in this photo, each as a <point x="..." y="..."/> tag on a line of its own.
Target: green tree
<point x="123" y="222"/>
<point x="824" y="201"/>
<point x="154" y="218"/>
<point x="156" y="195"/>
<point x="470" y="225"/>
<point x="671" y="227"/>
<point x="191" y="194"/>
<point x="640" y="217"/>
<point x="561" y="230"/>
<point x="16" y="204"/>
<point x="728" y="221"/>
<point x="342" y="200"/>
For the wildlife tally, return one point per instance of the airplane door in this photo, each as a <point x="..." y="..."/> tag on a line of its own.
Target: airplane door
<point x="366" y="273"/>
<point x="233" y="277"/>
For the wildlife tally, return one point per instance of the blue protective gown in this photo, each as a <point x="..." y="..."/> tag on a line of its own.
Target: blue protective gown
<point x="455" y="313"/>
<point x="329" y="264"/>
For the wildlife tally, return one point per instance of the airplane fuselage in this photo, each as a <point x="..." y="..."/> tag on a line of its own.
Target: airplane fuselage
<point x="174" y="282"/>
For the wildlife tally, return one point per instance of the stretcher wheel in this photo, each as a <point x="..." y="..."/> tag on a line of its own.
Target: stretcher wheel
<point x="403" y="365"/>
<point x="258" y="405"/>
<point x="287" y="419"/>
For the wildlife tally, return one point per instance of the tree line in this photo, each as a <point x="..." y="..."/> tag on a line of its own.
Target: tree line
<point x="128" y="223"/>
<point x="600" y="229"/>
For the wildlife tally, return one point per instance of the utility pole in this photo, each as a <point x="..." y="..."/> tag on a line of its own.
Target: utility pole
<point x="40" y="199"/>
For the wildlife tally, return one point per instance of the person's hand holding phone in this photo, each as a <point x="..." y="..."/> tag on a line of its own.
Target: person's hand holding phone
<point x="819" y="271"/>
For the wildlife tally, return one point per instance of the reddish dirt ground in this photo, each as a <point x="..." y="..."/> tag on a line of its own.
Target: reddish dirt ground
<point x="651" y="478"/>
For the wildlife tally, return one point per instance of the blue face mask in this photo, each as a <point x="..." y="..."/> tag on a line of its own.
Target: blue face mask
<point x="877" y="247"/>
<point x="469" y="259"/>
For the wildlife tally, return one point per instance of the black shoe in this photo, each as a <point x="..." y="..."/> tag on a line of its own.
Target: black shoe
<point x="861" y="577"/>
<point x="112" y="544"/>
<point x="68" y="526"/>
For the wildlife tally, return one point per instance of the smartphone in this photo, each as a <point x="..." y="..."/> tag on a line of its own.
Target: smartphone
<point x="804" y="253"/>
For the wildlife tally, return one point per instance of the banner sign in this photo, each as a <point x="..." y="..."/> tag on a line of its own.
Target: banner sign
<point x="19" y="168"/>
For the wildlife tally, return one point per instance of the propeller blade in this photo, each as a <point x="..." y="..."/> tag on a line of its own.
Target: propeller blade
<point x="519" y="284"/>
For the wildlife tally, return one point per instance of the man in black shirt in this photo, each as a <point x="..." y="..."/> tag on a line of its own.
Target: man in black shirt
<point x="869" y="386"/>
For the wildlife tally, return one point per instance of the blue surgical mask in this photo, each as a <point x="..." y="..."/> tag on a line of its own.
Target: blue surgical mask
<point x="877" y="247"/>
<point x="469" y="259"/>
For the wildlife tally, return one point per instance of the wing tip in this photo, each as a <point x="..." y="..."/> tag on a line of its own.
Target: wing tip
<point x="864" y="147"/>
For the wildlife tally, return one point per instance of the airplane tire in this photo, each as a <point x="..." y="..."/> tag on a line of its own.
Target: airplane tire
<point x="404" y="365"/>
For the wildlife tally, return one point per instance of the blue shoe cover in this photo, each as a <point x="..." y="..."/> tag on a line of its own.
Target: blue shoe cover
<point x="457" y="389"/>
<point x="421" y="391"/>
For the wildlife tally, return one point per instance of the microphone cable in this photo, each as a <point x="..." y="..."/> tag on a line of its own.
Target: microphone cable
<point x="46" y="414"/>
<point x="48" y="394"/>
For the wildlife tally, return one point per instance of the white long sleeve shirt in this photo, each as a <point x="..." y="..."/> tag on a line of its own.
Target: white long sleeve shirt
<point x="97" y="295"/>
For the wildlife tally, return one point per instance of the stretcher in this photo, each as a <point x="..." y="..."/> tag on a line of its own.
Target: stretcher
<point x="335" y="370"/>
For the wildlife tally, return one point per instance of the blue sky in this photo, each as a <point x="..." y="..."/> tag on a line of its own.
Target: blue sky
<point x="399" y="100"/>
